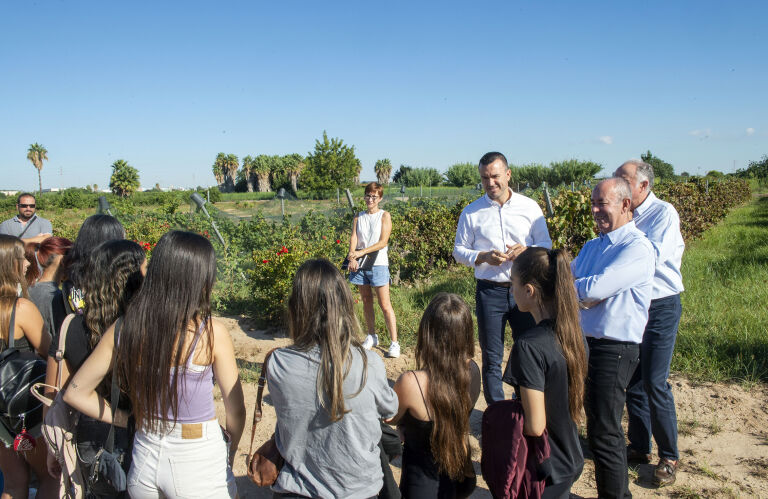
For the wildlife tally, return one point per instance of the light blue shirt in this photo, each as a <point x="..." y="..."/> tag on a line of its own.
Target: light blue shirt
<point x="485" y="225"/>
<point x="660" y="223"/>
<point x="14" y="227"/>
<point x="616" y="270"/>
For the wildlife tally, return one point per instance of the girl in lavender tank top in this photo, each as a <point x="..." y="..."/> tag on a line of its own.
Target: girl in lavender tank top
<point x="169" y="352"/>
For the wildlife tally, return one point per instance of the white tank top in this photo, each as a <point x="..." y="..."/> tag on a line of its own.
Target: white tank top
<point x="368" y="234"/>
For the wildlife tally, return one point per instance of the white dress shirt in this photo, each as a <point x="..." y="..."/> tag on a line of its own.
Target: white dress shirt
<point x="616" y="270"/>
<point x="660" y="223"/>
<point x="485" y="225"/>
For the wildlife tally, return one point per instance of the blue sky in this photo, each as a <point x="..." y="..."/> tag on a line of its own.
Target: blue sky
<point x="168" y="85"/>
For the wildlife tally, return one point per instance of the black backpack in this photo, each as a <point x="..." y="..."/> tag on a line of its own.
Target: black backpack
<point x="18" y="372"/>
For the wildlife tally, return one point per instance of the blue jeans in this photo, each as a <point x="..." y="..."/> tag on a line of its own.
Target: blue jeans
<point x="377" y="276"/>
<point x="611" y="366"/>
<point x="650" y="403"/>
<point x="496" y="308"/>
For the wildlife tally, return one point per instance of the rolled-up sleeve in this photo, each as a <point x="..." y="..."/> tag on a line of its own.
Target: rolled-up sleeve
<point x="463" y="250"/>
<point x="540" y="232"/>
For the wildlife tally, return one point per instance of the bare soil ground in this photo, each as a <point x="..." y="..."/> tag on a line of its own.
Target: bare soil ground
<point x="723" y="431"/>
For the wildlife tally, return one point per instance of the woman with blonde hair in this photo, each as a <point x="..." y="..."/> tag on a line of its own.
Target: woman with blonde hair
<point x="329" y="393"/>
<point x="436" y="401"/>
<point x="28" y="335"/>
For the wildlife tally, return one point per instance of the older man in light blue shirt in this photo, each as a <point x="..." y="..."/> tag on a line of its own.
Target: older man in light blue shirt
<point x="614" y="282"/>
<point x="650" y="403"/>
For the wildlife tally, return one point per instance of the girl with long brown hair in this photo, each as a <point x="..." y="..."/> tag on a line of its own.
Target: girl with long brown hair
<point x="548" y="363"/>
<point x="169" y="350"/>
<point x="329" y="393"/>
<point x="29" y="335"/>
<point x="436" y="401"/>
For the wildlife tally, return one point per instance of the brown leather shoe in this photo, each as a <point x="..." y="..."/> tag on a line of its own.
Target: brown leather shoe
<point x="635" y="457"/>
<point x="665" y="471"/>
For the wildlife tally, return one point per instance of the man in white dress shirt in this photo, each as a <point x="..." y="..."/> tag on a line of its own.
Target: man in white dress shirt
<point x="650" y="403"/>
<point x="492" y="231"/>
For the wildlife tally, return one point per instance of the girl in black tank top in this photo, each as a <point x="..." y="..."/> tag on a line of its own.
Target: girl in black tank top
<point x="437" y="458"/>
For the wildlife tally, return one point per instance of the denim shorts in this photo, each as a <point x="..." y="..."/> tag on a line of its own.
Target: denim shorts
<point x="188" y="461"/>
<point x="377" y="276"/>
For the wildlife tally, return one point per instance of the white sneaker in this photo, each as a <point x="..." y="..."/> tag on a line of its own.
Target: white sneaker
<point x="370" y="341"/>
<point x="394" y="350"/>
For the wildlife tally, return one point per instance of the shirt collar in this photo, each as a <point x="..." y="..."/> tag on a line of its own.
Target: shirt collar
<point x="643" y="207"/>
<point x="491" y="202"/>
<point x="616" y="235"/>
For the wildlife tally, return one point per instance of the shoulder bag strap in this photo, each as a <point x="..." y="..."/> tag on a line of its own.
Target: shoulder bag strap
<point x="259" y="394"/>
<point x="114" y="399"/>
<point x="31" y="220"/>
<point x="62" y="346"/>
<point x="12" y="326"/>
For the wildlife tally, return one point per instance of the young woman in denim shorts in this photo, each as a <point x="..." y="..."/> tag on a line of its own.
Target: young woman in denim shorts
<point x="168" y="352"/>
<point x="369" y="265"/>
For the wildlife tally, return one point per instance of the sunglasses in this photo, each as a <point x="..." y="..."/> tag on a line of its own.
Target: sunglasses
<point x="26" y="205"/>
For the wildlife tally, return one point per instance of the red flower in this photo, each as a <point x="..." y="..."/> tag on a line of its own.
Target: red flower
<point x="265" y="261"/>
<point x="325" y="237"/>
<point x="338" y="241"/>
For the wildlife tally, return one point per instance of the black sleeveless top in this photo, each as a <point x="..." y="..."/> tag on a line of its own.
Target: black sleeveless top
<point x="420" y="476"/>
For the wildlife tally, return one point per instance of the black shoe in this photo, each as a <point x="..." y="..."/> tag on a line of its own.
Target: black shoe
<point x="635" y="457"/>
<point x="665" y="471"/>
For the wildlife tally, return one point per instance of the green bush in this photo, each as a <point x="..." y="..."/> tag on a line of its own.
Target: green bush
<point x="462" y="174"/>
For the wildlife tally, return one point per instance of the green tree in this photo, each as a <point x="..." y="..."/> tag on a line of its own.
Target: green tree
<point x="401" y="173"/>
<point x="715" y="174"/>
<point x="462" y="174"/>
<point x="534" y="174"/>
<point x="422" y="176"/>
<point x="262" y="166"/>
<point x="37" y="154"/>
<point x="231" y="164"/>
<point x="573" y="170"/>
<point x="661" y="169"/>
<point x="124" y="180"/>
<point x="293" y="165"/>
<point x="332" y="165"/>
<point x="383" y="169"/>
<point x="219" y="168"/>
<point x="245" y="172"/>
<point x="756" y="169"/>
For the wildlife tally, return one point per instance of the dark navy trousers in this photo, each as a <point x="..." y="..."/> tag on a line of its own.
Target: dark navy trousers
<point x="495" y="309"/>
<point x="650" y="403"/>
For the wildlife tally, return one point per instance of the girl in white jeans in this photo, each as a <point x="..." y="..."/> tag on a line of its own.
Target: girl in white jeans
<point x="169" y="350"/>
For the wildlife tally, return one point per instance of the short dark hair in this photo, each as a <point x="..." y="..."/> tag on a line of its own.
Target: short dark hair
<point x="23" y="195"/>
<point x="374" y="188"/>
<point x="490" y="157"/>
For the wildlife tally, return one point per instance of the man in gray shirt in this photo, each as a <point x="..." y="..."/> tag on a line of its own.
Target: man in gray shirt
<point x="27" y="225"/>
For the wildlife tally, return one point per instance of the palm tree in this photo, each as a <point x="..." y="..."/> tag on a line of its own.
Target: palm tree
<point x="358" y="169"/>
<point x="383" y="169"/>
<point x="246" y="171"/>
<point x="294" y="164"/>
<point x="231" y="165"/>
<point x="262" y="167"/>
<point x="37" y="154"/>
<point x="218" y="168"/>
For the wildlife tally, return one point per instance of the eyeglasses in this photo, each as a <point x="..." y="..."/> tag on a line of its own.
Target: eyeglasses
<point x="371" y="196"/>
<point x="26" y="205"/>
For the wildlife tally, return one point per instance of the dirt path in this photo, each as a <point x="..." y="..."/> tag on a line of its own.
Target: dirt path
<point x="723" y="431"/>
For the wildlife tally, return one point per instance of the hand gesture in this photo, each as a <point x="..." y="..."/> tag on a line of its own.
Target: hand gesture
<point x="514" y="250"/>
<point x="493" y="257"/>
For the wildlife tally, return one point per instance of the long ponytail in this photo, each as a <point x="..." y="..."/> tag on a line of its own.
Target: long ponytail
<point x="568" y="330"/>
<point x="549" y="271"/>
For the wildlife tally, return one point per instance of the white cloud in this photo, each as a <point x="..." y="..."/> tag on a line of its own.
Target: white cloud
<point x="750" y="131"/>
<point x="606" y="139"/>
<point x="704" y="133"/>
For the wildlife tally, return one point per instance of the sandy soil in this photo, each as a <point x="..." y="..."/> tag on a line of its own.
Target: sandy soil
<point x="723" y="431"/>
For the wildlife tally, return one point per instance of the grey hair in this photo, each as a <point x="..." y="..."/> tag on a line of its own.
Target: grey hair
<point x="644" y="171"/>
<point x="619" y="187"/>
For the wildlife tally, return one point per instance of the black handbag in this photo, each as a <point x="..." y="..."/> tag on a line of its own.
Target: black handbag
<point x="104" y="461"/>
<point x="19" y="371"/>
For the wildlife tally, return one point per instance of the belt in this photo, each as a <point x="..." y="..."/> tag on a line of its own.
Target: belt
<point x="496" y="284"/>
<point x="608" y="341"/>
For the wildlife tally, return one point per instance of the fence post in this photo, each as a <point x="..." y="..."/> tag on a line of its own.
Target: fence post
<point x="573" y="186"/>
<point x="548" y="200"/>
<point x="707" y="186"/>
<point x="338" y="197"/>
<point x="421" y="190"/>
